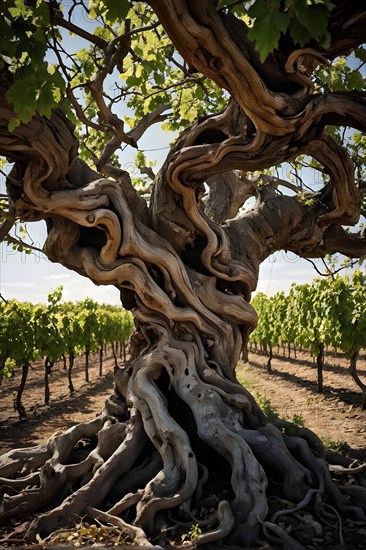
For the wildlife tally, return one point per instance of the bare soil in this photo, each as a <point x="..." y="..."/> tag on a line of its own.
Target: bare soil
<point x="64" y="410"/>
<point x="291" y="388"/>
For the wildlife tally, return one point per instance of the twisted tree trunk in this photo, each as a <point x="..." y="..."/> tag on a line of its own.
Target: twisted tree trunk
<point x="179" y="419"/>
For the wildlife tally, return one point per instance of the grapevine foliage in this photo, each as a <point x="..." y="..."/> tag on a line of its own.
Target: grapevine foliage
<point x="31" y="331"/>
<point x="25" y="34"/>
<point x="304" y="20"/>
<point x="152" y="73"/>
<point x="328" y="312"/>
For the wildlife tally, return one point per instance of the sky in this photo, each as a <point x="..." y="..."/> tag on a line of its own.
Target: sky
<point x="32" y="277"/>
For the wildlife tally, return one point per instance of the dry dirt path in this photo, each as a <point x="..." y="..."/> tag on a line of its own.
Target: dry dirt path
<point x="64" y="410"/>
<point x="291" y="389"/>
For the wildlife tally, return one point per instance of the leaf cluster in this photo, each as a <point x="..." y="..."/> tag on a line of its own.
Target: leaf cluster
<point x="25" y="32"/>
<point x="269" y="20"/>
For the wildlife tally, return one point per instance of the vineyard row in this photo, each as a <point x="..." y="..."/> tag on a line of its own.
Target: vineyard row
<point x="57" y="330"/>
<point x="328" y="313"/>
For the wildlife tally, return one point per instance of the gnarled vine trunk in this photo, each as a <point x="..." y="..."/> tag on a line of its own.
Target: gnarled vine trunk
<point x="181" y="441"/>
<point x="179" y="418"/>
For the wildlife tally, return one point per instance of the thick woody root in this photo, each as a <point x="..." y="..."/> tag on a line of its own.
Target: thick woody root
<point x="172" y="450"/>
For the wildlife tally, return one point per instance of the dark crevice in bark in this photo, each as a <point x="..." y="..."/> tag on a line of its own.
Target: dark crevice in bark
<point x="192" y="255"/>
<point x="211" y="135"/>
<point x="91" y="237"/>
<point x="183" y="415"/>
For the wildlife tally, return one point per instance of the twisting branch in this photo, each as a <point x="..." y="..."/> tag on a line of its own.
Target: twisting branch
<point x="5" y="227"/>
<point x="59" y="20"/>
<point x="148" y="120"/>
<point x="18" y="242"/>
<point x="329" y="271"/>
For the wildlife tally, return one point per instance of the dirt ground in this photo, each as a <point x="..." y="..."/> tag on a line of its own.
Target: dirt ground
<point x="291" y="388"/>
<point x="64" y="410"/>
<point x="335" y="416"/>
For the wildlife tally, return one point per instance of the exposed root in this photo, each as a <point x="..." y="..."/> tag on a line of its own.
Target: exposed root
<point x="226" y="521"/>
<point x="281" y="536"/>
<point x="300" y="506"/>
<point x="133" y="469"/>
<point x="23" y="461"/>
<point x="96" y="489"/>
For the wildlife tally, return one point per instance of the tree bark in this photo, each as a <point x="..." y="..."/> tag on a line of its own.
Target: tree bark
<point x="270" y="355"/>
<point x="101" y="361"/>
<point x="356" y="378"/>
<point x="48" y="364"/>
<point x="69" y="373"/>
<point x="87" y="354"/>
<point x="320" y="366"/>
<point x="245" y="354"/>
<point x="178" y="394"/>
<point x="113" y="346"/>
<point x="2" y="367"/>
<point x="19" y="407"/>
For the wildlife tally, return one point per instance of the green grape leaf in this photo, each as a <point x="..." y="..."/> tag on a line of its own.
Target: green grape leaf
<point x="45" y="100"/>
<point x="299" y="33"/>
<point x="356" y="80"/>
<point x="117" y="10"/>
<point x="314" y="18"/>
<point x="19" y="9"/>
<point x="267" y="28"/>
<point x="113" y="10"/>
<point x="21" y="95"/>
